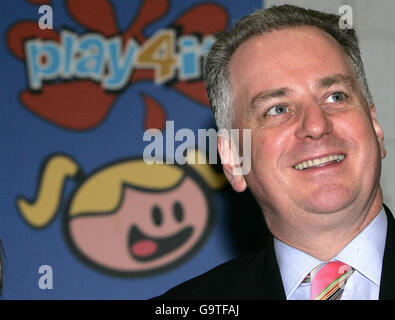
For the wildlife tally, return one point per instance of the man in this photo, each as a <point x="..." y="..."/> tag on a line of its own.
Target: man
<point x="296" y="80"/>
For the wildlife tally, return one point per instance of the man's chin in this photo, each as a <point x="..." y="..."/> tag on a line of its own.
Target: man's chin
<point x="327" y="203"/>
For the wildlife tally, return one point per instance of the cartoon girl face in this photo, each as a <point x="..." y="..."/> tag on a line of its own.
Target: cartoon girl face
<point x="129" y="217"/>
<point x="150" y="229"/>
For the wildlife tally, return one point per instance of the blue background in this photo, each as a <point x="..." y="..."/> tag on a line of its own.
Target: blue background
<point x="26" y="140"/>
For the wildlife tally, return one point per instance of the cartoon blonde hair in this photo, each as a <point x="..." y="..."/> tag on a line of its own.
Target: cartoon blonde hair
<point x="102" y="191"/>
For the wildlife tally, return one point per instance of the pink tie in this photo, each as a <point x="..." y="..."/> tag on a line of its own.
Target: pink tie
<point x="328" y="280"/>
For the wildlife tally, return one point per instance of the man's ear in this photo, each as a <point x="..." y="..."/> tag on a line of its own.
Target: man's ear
<point x="378" y="130"/>
<point x="230" y="163"/>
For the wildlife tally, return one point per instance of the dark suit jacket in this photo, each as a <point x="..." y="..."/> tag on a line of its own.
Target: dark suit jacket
<point x="257" y="276"/>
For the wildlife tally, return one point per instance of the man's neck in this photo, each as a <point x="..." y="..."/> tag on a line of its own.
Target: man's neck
<point x="323" y="236"/>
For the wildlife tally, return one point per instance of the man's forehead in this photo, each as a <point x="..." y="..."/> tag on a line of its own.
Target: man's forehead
<point x="290" y="52"/>
<point x="287" y="39"/>
<point x="302" y="32"/>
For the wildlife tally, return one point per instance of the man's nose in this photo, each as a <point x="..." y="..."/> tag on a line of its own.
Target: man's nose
<point x="314" y="123"/>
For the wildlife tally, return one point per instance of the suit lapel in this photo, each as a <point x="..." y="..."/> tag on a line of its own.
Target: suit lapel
<point x="387" y="285"/>
<point x="262" y="280"/>
<point x="273" y="288"/>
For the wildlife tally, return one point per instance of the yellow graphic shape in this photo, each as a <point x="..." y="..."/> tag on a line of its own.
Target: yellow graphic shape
<point x="103" y="191"/>
<point x="40" y="212"/>
<point x="214" y="179"/>
<point x="158" y="53"/>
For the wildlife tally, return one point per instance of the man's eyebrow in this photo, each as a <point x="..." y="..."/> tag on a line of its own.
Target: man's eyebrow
<point x="328" y="81"/>
<point x="324" y="82"/>
<point x="269" y="94"/>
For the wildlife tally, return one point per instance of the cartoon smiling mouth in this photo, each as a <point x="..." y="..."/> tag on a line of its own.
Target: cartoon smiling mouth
<point x="145" y="248"/>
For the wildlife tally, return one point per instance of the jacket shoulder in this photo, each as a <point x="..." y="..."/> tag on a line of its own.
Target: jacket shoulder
<point x="226" y="281"/>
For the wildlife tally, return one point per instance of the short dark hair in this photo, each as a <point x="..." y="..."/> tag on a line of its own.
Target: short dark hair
<point x="216" y="73"/>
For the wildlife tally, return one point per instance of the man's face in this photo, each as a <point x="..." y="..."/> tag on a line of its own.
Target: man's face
<point x="315" y="143"/>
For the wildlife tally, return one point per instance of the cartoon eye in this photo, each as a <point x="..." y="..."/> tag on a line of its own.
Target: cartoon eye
<point x="178" y="211"/>
<point x="157" y="215"/>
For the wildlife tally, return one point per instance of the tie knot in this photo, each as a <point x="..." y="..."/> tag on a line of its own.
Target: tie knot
<point x="328" y="280"/>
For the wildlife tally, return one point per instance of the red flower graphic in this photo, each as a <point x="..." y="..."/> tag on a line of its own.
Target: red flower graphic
<point x="84" y="104"/>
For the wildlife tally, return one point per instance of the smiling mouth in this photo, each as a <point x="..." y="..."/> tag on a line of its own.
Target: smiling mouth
<point x="145" y="248"/>
<point x="319" y="162"/>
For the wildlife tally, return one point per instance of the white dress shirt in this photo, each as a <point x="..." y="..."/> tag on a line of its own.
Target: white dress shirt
<point x="364" y="253"/>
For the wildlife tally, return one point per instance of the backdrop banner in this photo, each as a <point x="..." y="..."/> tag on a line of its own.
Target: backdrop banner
<point x="88" y="90"/>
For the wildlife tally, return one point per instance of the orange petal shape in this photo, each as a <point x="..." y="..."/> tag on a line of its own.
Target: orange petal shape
<point x="204" y="19"/>
<point x="20" y="32"/>
<point x="77" y="105"/>
<point x="150" y="11"/>
<point x="97" y="15"/>
<point x="155" y="117"/>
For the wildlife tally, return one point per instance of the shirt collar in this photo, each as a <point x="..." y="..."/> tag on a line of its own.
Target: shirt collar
<point x="294" y="265"/>
<point x="364" y="253"/>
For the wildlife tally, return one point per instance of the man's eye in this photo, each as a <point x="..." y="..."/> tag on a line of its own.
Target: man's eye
<point x="335" y="97"/>
<point x="279" y="109"/>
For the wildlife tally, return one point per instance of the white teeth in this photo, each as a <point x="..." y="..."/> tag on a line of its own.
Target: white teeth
<point x="318" y="162"/>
